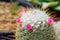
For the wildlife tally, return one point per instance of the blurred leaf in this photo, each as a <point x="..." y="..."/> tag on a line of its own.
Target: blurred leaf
<point x="40" y="0"/>
<point x="57" y="8"/>
<point x="35" y="2"/>
<point x="53" y="4"/>
<point x="48" y="0"/>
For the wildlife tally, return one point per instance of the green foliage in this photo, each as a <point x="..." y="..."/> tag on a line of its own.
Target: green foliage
<point x="57" y="8"/>
<point x="35" y="2"/>
<point x="54" y="6"/>
<point x="48" y="0"/>
<point x="54" y="3"/>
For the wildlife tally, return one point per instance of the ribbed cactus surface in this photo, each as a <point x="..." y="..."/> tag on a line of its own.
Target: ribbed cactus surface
<point x="36" y="25"/>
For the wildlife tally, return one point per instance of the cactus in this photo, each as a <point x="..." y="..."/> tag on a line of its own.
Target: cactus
<point x="34" y="26"/>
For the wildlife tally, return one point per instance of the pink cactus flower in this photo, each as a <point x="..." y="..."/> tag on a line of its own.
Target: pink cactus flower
<point x="18" y="20"/>
<point x="22" y="12"/>
<point x="50" y="20"/>
<point x="28" y="26"/>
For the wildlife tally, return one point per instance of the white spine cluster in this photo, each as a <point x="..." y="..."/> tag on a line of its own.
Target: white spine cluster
<point x="33" y="16"/>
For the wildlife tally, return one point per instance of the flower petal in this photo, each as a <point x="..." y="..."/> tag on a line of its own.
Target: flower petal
<point x="22" y="12"/>
<point x="28" y="26"/>
<point x="50" y="20"/>
<point x="18" y="20"/>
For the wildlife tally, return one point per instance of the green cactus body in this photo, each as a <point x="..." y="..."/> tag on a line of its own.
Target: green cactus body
<point x="41" y="30"/>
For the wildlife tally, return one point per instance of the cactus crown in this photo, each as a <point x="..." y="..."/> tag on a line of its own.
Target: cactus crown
<point x="34" y="26"/>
